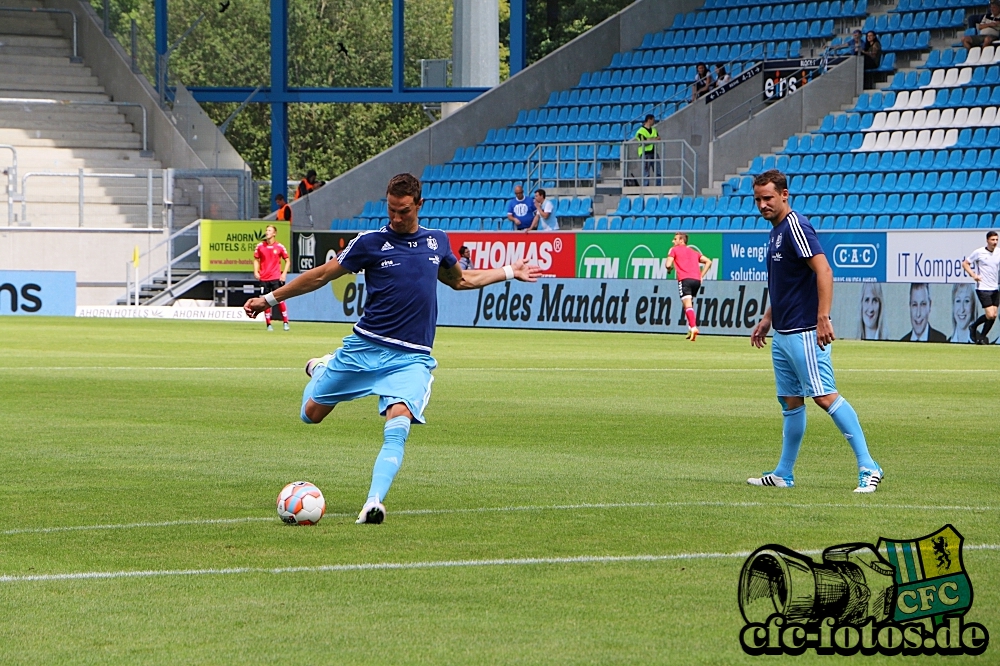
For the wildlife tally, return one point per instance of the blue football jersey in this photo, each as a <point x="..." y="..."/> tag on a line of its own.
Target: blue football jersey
<point x="401" y="276"/>
<point x="523" y="210"/>
<point x="790" y="280"/>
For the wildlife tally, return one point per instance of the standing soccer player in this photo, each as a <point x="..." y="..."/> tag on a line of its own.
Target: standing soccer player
<point x="692" y="267"/>
<point x="983" y="266"/>
<point x="800" y="282"/>
<point x="389" y="353"/>
<point x="270" y="266"/>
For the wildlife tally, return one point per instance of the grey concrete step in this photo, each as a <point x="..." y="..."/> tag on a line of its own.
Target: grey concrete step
<point x="28" y="28"/>
<point x="53" y="67"/>
<point x="51" y="52"/>
<point x="11" y="79"/>
<point x="59" y="41"/>
<point x="16" y="60"/>
<point x="95" y="124"/>
<point x="59" y="139"/>
<point x="81" y="157"/>
<point x="13" y="115"/>
<point x="55" y="94"/>
<point x="42" y="86"/>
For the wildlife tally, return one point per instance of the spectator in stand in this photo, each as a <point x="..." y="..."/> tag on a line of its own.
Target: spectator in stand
<point x="308" y="184"/>
<point x="284" y="210"/>
<point x="520" y="211"/>
<point x="721" y="76"/>
<point x="545" y="216"/>
<point x="465" y="258"/>
<point x="702" y="81"/>
<point x="647" y="137"/>
<point x="873" y="57"/>
<point x="987" y="29"/>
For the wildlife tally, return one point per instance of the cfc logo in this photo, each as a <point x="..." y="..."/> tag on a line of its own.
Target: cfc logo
<point x="855" y="255"/>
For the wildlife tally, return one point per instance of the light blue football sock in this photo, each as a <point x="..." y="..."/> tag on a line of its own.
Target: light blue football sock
<point x="390" y="457"/>
<point x="792" y="431"/>
<point x="846" y="419"/>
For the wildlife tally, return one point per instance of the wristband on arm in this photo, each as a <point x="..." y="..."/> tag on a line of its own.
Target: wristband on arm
<point x="508" y="272"/>
<point x="270" y="299"/>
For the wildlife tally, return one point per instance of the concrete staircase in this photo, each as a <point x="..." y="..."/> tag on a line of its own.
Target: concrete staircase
<point x="36" y="65"/>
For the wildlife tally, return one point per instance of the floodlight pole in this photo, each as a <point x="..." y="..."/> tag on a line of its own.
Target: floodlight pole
<point x="279" y="110"/>
<point x="160" y="27"/>
<point x="397" y="46"/>
<point x="518" y="35"/>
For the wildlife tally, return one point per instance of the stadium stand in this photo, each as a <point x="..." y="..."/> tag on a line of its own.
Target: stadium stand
<point x="57" y="116"/>
<point x="921" y="151"/>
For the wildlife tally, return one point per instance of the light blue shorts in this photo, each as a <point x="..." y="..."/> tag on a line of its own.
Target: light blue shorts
<point x="361" y="368"/>
<point x="801" y="368"/>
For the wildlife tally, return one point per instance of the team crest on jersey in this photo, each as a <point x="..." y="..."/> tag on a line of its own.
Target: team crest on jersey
<point x="777" y="243"/>
<point x="388" y="246"/>
<point x="432" y="242"/>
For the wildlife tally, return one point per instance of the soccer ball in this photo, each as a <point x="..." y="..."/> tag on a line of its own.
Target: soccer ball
<point x="301" y="503"/>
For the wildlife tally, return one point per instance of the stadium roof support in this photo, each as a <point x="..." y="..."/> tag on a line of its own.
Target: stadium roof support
<point x="279" y="95"/>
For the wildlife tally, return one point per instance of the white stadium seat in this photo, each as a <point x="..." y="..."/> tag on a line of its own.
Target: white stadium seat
<point x="950" y="78"/>
<point x="965" y="76"/>
<point x="905" y="120"/>
<point x="961" y="117"/>
<point x="989" y="116"/>
<point x="937" y="79"/>
<point x="986" y="57"/>
<point x="937" y="139"/>
<point x="909" y="141"/>
<point x="947" y="118"/>
<point x="950" y="138"/>
<point x="869" y="143"/>
<point x="933" y="119"/>
<point x="973" y="58"/>
<point x="975" y="117"/>
<point x="896" y="141"/>
<point x="923" y="140"/>
<point x="902" y="99"/>
<point x="930" y="96"/>
<point x="891" y="121"/>
<point x="878" y="123"/>
<point x="882" y="143"/>
<point x="919" y="120"/>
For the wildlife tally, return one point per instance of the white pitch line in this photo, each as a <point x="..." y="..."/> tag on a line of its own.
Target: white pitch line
<point x="509" y="509"/>
<point x="397" y="566"/>
<point x="504" y="370"/>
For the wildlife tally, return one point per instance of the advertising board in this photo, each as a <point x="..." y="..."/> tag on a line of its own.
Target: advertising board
<point x="227" y="245"/>
<point x="51" y="293"/>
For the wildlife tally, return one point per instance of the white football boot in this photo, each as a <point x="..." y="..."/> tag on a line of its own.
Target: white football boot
<point x="372" y="513"/>
<point x="868" y="479"/>
<point x="773" y="480"/>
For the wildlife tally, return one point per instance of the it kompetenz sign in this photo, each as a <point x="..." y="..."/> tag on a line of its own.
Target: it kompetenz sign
<point x="51" y="293"/>
<point x="906" y="596"/>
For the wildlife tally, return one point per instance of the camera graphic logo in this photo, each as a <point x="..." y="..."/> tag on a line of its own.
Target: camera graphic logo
<point x="897" y="597"/>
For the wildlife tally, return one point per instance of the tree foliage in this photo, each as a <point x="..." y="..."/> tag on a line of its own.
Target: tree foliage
<point x="341" y="43"/>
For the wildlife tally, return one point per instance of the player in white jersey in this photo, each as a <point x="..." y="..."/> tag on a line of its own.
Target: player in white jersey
<point x="983" y="266"/>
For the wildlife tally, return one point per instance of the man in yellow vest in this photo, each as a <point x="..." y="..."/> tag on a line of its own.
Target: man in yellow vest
<point x="647" y="137"/>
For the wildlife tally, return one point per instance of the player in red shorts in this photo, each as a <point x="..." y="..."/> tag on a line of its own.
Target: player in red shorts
<point x="691" y="266"/>
<point x="267" y="267"/>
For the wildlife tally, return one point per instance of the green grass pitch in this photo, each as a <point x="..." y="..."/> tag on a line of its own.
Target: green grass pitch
<point x="539" y="445"/>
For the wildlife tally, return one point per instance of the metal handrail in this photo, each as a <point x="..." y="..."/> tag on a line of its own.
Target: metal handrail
<point x="11" y="182"/>
<point x="29" y="101"/>
<point x="171" y="260"/>
<point x="80" y="174"/>
<point x="41" y="10"/>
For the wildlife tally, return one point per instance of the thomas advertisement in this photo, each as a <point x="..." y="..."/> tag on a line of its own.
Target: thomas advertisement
<point x="51" y="293"/>
<point x="227" y="246"/>
<point x="554" y="253"/>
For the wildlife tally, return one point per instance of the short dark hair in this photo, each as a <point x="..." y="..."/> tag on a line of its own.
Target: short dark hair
<point x="462" y="250"/>
<point x="279" y="197"/>
<point x="542" y="192"/>
<point x="914" y="286"/>
<point x="771" y="176"/>
<point x="404" y="185"/>
<point x="311" y="173"/>
<point x="682" y="235"/>
<point x="649" y="116"/>
<point x="990" y="234"/>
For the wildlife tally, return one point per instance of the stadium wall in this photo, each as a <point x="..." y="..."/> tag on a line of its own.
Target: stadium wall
<point x="97" y="256"/>
<point x="346" y="195"/>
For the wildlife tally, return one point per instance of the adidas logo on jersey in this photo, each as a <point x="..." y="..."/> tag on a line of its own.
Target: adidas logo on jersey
<point x="387" y="246"/>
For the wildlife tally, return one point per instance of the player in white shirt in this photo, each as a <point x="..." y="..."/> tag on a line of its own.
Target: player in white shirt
<point x="983" y="266"/>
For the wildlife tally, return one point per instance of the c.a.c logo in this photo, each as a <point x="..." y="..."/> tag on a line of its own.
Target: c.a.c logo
<point x="855" y="255"/>
<point x="900" y="597"/>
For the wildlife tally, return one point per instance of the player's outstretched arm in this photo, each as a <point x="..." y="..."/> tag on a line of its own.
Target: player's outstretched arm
<point x="459" y="280"/>
<point x="311" y="280"/>
<point x="759" y="336"/>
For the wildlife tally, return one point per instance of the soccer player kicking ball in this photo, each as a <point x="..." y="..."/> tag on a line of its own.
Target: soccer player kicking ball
<point x="800" y="282"/>
<point x="692" y="266"/>
<point x="389" y="353"/>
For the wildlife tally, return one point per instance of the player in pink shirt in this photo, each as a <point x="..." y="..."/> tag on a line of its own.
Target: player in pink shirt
<point x="691" y="266"/>
<point x="267" y="267"/>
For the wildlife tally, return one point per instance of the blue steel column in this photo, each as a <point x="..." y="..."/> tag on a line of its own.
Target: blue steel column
<point x="397" y="45"/>
<point x="160" y="27"/>
<point x="518" y="35"/>
<point x="279" y="88"/>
